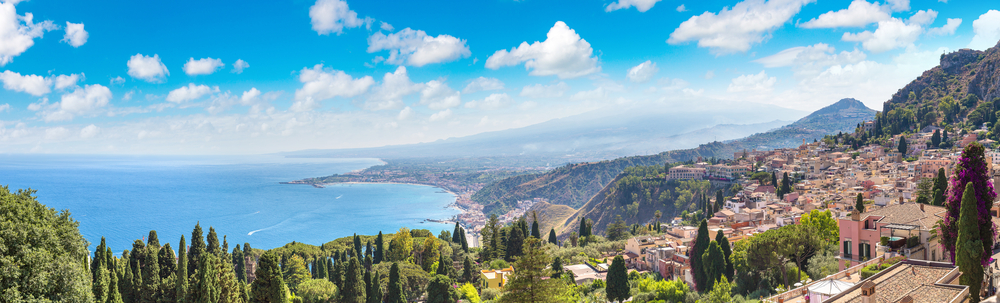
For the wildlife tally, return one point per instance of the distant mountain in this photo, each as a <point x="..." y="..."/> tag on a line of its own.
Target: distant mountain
<point x="576" y="184"/>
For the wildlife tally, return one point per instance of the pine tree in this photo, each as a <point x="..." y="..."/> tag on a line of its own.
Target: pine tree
<point x="439" y="290"/>
<point x="197" y="247"/>
<point x="375" y="288"/>
<point x="168" y="265"/>
<point x="557" y="268"/>
<point x="971" y="168"/>
<point x="514" y="244"/>
<point x="714" y="264"/>
<point x="617" y="287"/>
<point x="207" y="290"/>
<point x="552" y="237"/>
<point x="940" y="187"/>
<point x="859" y="205"/>
<point x="213" y="242"/>
<point x="379" y="250"/>
<point x="969" y="244"/>
<point x="467" y="270"/>
<point x="531" y="282"/>
<point x="181" y="284"/>
<point x="697" y="264"/>
<point x="268" y="287"/>
<point x="727" y="251"/>
<point x="295" y="272"/>
<point x="394" y="292"/>
<point x="354" y="287"/>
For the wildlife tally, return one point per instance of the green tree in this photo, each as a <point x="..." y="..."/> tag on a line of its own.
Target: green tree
<point x="786" y="185"/>
<point x="168" y="265"/>
<point x="467" y="270"/>
<point x="727" y="252"/>
<point x="239" y="264"/>
<point x="940" y="187"/>
<point x="617" y="230"/>
<point x="824" y="223"/>
<point x="722" y="292"/>
<point x="394" y="292"/>
<point x="774" y="180"/>
<point x="902" y="147"/>
<point x="973" y="168"/>
<point x="534" y="226"/>
<point x="444" y="266"/>
<point x="295" y="272"/>
<point x="925" y="190"/>
<point x="530" y="282"/>
<point x="150" y="276"/>
<point x="515" y="243"/>
<point x="401" y="245"/>
<point x="269" y="287"/>
<point x="181" y="283"/>
<point x="552" y="237"/>
<point x="936" y="138"/>
<point x="697" y="265"/>
<point x="439" y="290"/>
<point x="860" y="204"/>
<point x="379" y="249"/>
<point x="114" y="295"/>
<point x="100" y="284"/>
<point x="375" y="288"/>
<point x="557" y="268"/>
<point x="969" y="244"/>
<point x="197" y="247"/>
<point x="207" y="290"/>
<point x="357" y="248"/>
<point x="429" y="253"/>
<point x="714" y="264"/>
<point x="40" y="245"/>
<point x="213" y="242"/>
<point x="354" y="285"/>
<point x="617" y="288"/>
<point x="317" y="291"/>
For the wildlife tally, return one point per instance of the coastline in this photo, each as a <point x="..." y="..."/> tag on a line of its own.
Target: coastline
<point x="453" y="204"/>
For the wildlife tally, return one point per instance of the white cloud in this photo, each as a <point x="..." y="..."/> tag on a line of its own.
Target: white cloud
<point x="203" y="66"/>
<point x="441" y="115"/>
<point x="544" y="91"/>
<point x="319" y="84"/>
<point x="416" y="48"/>
<point x="681" y="8"/>
<point x="389" y="94"/>
<point x="640" y="5"/>
<point x="148" y="69"/>
<point x="4" y="107"/>
<point x="405" y="113"/>
<point x="858" y="14"/>
<point x="249" y="96"/>
<point x="90" y="131"/>
<point x="117" y="80"/>
<point x="56" y="133"/>
<point x="736" y="29"/>
<point x="642" y="72"/>
<point x="759" y="83"/>
<point x="437" y="96"/>
<point x="563" y="53"/>
<point x="32" y="84"/>
<point x="239" y="66"/>
<point x="893" y="33"/>
<point x="491" y="102"/>
<point x="75" y="35"/>
<point x="189" y="92"/>
<point x="17" y="33"/>
<point x="811" y="60"/>
<point x="709" y="75"/>
<point x="386" y="26"/>
<point x="64" y="81"/>
<point x="483" y="84"/>
<point x="598" y="93"/>
<point x="333" y="16"/>
<point x="945" y="30"/>
<point x="986" y="28"/>
<point x="82" y="101"/>
<point x="899" y="5"/>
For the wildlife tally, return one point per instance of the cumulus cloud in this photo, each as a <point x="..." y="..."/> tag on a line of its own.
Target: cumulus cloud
<point x="189" y="92"/>
<point x="17" y="32"/>
<point x="858" y="14"/>
<point x="437" y="96"/>
<point x="386" y="26"/>
<point x="147" y="68"/>
<point x="986" y="29"/>
<point x="75" y="34"/>
<point x="389" y="94"/>
<point x="90" y="131"/>
<point x="32" y="84"/>
<point x="4" y="107"/>
<point x="64" y="81"/>
<point x="640" y="5"/>
<point x="239" y="66"/>
<point x="945" y="30"/>
<point x="117" y="80"/>
<point x="333" y="16"/>
<point x="544" y="91"/>
<point x="642" y="72"/>
<point x="759" y="83"/>
<point x="736" y="29"/>
<point x="416" y="48"/>
<point x="681" y="8"/>
<point x="405" y="113"/>
<point x="319" y="84"/>
<point x="483" y="84"/>
<point x="811" y="60"/>
<point x="492" y="102"/>
<point x="893" y="33"/>
<point x="82" y="101"/>
<point x="203" y="66"/>
<point x="563" y="53"/>
<point x="56" y="133"/>
<point x="441" y="115"/>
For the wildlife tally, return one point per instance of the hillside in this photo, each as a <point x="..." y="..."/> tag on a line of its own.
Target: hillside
<point x="551" y="216"/>
<point x="575" y="184"/>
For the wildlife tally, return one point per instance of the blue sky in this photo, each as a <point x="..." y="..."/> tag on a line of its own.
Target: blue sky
<point x="160" y="77"/>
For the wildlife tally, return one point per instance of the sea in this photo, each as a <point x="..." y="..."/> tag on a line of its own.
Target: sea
<point x="122" y="198"/>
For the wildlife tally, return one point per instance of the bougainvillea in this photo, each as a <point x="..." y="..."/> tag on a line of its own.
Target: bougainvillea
<point x="971" y="167"/>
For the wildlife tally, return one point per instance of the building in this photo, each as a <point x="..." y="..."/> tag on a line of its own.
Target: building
<point x="727" y="172"/>
<point x="583" y="273"/>
<point x="496" y="279"/>
<point x="908" y="281"/>
<point x="907" y="227"/>
<point x="686" y="173"/>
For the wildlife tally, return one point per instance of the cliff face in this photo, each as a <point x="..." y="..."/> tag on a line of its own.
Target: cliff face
<point x="961" y="74"/>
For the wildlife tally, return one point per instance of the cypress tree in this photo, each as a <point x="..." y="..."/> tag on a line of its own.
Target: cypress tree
<point x="940" y="187"/>
<point x="774" y="180"/>
<point x="454" y="234"/>
<point x="379" y="249"/>
<point x="714" y="264"/>
<point x="127" y="289"/>
<point x="338" y="274"/>
<point x="971" y="168"/>
<point x="534" y="226"/>
<point x="150" y="276"/>
<point x="617" y="287"/>
<point x="208" y="280"/>
<point x="700" y="245"/>
<point x="936" y="138"/>
<point x="153" y="240"/>
<point x="213" y="242"/>
<point x="368" y="285"/>
<point x="330" y="270"/>
<point x="394" y="292"/>
<point x="354" y="287"/>
<point x="719" y="199"/>
<point x="557" y="268"/>
<point x="181" y="284"/>
<point x="969" y="244"/>
<point x="444" y="266"/>
<point x="238" y="265"/>
<point x="902" y="148"/>
<point x="515" y="243"/>
<point x="357" y="248"/>
<point x="467" y="271"/>
<point x="268" y="287"/>
<point x="375" y="290"/>
<point x="860" y="204"/>
<point x="97" y="262"/>
<point x="439" y="290"/>
<point x="552" y="237"/>
<point x="225" y="245"/>
<point x="465" y="242"/>
<point x="114" y="295"/>
<point x="727" y="251"/>
<point x="100" y="285"/>
<point x="197" y="247"/>
<point x="167" y="262"/>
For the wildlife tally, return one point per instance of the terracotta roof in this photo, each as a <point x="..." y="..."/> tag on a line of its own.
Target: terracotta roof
<point x="907" y="279"/>
<point x="909" y="214"/>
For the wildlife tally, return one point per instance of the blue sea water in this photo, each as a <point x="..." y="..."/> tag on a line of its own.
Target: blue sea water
<point x="122" y="198"/>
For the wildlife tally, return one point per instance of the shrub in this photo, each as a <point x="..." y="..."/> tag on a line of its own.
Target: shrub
<point x="884" y="240"/>
<point x="490" y="294"/>
<point x="912" y="241"/>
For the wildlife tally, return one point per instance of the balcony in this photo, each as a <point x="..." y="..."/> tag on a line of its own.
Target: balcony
<point x="854" y="257"/>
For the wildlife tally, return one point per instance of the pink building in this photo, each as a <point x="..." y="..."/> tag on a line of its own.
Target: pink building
<point x="906" y="226"/>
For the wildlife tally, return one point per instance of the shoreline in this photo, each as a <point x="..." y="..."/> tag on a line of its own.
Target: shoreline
<point x="453" y="204"/>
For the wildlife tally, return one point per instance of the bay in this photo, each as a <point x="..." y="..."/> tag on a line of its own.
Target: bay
<point x="122" y="198"/>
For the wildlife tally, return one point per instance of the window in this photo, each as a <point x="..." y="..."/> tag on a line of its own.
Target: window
<point x="847" y="248"/>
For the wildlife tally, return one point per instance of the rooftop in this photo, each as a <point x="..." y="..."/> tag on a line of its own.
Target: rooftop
<point x="921" y="280"/>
